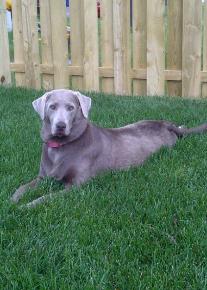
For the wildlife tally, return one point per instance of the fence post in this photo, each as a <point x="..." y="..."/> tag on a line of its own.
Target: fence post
<point x="5" y="74"/>
<point x="155" y="47"/>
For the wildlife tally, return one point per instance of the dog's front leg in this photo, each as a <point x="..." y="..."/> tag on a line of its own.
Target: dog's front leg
<point x="24" y="188"/>
<point x="45" y="198"/>
<point x="71" y="180"/>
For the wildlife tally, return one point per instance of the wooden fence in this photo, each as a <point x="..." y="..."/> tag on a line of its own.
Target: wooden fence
<point x="140" y="47"/>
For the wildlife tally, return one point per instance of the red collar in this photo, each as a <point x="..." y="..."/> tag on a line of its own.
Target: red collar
<point x="54" y="144"/>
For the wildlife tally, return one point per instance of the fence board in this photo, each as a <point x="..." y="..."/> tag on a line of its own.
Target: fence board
<point x="121" y="26"/>
<point x="46" y="43"/>
<point x="139" y="17"/>
<point x="31" y="46"/>
<point x="204" y="85"/>
<point x="155" y="47"/>
<point x="59" y="43"/>
<point x="18" y="40"/>
<point x="76" y="40"/>
<point x="91" y="62"/>
<point x="5" y="74"/>
<point x="174" y="44"/>
<point x="191" y="63"/>
<point x="106" y="45"/>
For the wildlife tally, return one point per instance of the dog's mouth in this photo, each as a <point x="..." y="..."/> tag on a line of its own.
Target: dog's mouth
<point x="60" y="134"/>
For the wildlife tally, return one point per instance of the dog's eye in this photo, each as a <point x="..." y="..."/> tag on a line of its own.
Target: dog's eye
<point x="70" y="108"/>
<point x="52" y="107"/>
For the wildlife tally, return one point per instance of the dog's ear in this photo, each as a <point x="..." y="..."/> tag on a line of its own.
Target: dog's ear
<point x="85" y="103"/>
<point x="39" y="105"/>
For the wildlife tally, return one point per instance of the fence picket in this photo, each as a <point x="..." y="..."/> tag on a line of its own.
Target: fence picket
<point x="31" y="45"/>
<point x="139" y="43"/>
<point x="46" y="43"/>
<point x="155" y="47"/>
<point x="174" y="44"/>
<point x="76" y="40"/>
<point x="121" y="29"/>
<point x="191" y="63"/>
<point x="5" y="75"/>
<point x="59" y="43"/>
<point x="18" y="41"/>
<point x="106" y="44"/>
<point x="91" y="61"/>
<point x="204" y="85"/>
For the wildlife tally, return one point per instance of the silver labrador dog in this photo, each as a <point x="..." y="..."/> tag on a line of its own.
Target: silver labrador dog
<point x="75" y="150"/>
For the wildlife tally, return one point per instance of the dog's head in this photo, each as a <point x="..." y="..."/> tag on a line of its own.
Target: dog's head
<point x="60" y="108"/>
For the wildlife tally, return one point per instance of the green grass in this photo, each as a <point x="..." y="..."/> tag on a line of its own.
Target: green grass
<point x="144" y="228"/>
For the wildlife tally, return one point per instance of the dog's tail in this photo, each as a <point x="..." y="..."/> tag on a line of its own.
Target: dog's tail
<point x="182" y="131"/>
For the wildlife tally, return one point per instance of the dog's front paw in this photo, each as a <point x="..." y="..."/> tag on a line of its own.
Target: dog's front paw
<point x="18" y="194"/>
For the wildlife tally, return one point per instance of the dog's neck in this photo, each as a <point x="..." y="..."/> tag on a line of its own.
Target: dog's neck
<point x="77" y="130"/>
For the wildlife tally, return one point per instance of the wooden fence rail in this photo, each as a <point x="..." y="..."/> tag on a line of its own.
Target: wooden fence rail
<point x="140" y="47"/>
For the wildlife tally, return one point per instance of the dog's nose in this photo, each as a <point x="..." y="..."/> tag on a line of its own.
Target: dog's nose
<point x="61" y="125"/>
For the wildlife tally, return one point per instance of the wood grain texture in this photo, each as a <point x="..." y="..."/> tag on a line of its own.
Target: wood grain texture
<point x="174" y="44"/>
<point x="122" y="60"/>
<point x="204" y="85"/>
<point x="155" y="47"/>
<point x="46" y="43"/>
<point x="5" y="75"/>
<point x="91" y="60"/>
<point x="106" y="43"/>
<point x="31" y="44"/>
<point x="18" y="40"/>
<point x="76" y="40"/>
<point x="139" y="17"/>
<point x="59" y="43"/>
<point x="191" y="61"/>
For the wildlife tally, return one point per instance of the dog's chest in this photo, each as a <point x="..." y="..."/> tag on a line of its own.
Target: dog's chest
<point x="54" y="155"/>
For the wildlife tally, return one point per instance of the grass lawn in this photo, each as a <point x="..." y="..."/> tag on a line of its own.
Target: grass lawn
<point x="144" y="228"/>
